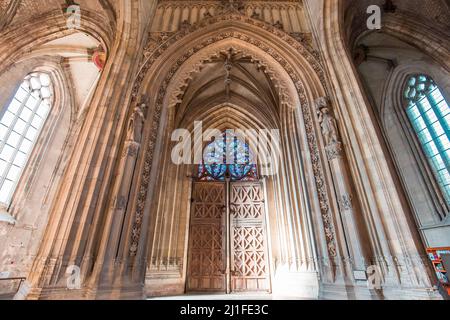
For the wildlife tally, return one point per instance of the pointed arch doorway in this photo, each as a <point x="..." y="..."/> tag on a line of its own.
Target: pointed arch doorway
<point x="257" y="93"/>
<point x="228" y="244"/>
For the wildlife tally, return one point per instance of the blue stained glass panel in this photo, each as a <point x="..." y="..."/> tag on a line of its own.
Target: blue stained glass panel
<point x="227" y="156"/>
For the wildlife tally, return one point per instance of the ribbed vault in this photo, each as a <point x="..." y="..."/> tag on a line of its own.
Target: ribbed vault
<point x="230" y="76"/>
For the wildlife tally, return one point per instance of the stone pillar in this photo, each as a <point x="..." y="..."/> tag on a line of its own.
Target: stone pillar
<point x="125" y="172"/>
<point x="348" y="213"/>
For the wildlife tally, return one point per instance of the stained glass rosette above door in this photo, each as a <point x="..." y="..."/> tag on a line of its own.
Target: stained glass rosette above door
<point x="228" y="156"/>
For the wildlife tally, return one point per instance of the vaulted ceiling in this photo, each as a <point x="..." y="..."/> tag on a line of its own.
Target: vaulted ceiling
<point x="27" y="9"/>
<point x="75" y="51"/>
<point x="229" y="77"/>
<point x="432" y="12"/>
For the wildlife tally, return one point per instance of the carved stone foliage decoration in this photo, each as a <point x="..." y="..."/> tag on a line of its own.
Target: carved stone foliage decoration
<point x="4" y="4"/>
<point x="309" y="122"/>
<point x="232" y="5"/>
<point x="154" y="40"/>
<point x="306" y="40"/>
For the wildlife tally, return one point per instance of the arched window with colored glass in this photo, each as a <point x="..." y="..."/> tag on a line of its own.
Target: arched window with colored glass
<point x="20" y="125"/>
<point x="429" y="114"/>
<point x="230" y="157"/>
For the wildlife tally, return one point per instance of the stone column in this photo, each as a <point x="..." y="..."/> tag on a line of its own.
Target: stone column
<point x="125" y="172"/>
<point x="348" y="212"/>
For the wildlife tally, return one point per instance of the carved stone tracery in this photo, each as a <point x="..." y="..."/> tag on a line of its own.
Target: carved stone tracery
<point x="177" y="90"/>
<point x="301" y="42"/>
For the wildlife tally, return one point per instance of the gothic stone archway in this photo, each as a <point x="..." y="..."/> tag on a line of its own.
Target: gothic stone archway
<point x="291" y="240"/>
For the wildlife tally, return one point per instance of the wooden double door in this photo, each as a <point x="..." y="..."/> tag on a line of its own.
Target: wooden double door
<point x="228" y="243"/>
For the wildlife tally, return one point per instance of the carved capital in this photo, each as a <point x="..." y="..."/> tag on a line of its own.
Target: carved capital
<point x="346" y="202"/>
<point x="334" y="151"/>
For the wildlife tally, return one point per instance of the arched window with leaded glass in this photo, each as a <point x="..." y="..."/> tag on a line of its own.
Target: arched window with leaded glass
<point x="229" y="157"/>
<point x="20" y="125"/>
<point x="429" y="114"/>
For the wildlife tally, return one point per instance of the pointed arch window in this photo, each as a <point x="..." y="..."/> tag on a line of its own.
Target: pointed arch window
<point x="429" y="114"/>
<point x="20" y="125"/>
<point x="229" y="156"/>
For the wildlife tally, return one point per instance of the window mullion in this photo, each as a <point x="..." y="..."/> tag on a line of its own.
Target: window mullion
<point x="433" y="133"/>
<point x="9" y="163"/>
<point x="441" y="147"/>
<point x="28" y="125"/>
<point x="22" y="138"/>
<point x="23" y="131"/>
<point x="431" y="124"/>
<point x="440" y="117"/>
<point x="434" y="138"/>
<point x="13" y="123"/>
